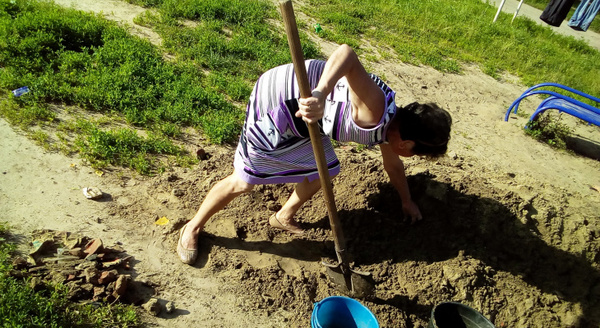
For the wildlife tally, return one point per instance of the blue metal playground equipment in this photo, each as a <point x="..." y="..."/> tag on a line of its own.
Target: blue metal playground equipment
<point x="563" y="102"/>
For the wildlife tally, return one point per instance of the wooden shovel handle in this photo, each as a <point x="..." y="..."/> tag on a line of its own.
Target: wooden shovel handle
<point x="291" y="28"/>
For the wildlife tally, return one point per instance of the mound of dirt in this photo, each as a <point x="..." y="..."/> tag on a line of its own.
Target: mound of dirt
<point x="494" y="241"/>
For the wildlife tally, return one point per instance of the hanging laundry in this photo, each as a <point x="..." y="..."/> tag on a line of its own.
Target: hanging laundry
<point x="556" y="11"/>
<point x="584" y="14"/>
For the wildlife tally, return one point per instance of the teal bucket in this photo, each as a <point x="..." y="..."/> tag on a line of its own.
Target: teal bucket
<point x="341" y="311"/>
<point x="457" y="315"/>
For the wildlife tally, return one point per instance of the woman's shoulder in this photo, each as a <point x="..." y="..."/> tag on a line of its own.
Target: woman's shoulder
<point x="381" y="84"/>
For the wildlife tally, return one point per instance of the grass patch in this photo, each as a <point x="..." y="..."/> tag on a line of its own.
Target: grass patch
<point x="548" y="128"/>
<point x="22" y="306"/>
<point x="231" y="40"/>
<point x="123" y="147"/>
<point x="427" y="33"/>
<point x="218" y="48"/>
<point x="73" y="58"/>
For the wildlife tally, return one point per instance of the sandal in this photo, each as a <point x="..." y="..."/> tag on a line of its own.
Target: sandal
<point x="186" y="255"/>
<point x="292" y="228"/>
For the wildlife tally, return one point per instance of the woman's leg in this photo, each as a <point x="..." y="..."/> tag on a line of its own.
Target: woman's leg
<point x="302" y="192"/>
<point x="217" y="198"/>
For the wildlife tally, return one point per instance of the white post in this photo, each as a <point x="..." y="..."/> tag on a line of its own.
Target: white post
<point x="517" y="12"/>
<point x="499" y="10"/>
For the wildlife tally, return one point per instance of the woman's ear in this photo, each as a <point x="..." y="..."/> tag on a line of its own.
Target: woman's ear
<point x="400" y="147"/>
<point x="406" y="145"/>
<point x="404" y="148"/>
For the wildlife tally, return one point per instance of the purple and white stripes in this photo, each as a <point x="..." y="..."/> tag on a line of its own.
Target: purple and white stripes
<point x="274" y="145"/>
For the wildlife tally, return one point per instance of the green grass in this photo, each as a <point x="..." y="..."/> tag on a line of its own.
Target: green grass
<point x="22" y="306"/>
<point x="427" y="33"/>
<point x="212" y="51"/>
<point x="122" y="147"/>
<point x="231" y="39"/>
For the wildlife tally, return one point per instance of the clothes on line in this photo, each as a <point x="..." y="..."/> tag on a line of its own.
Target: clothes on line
<point x="584" y="15"/>
<point x="556" y="11"/>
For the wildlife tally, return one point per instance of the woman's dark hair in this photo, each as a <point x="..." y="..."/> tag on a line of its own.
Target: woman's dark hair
<point x="427" y="125"/>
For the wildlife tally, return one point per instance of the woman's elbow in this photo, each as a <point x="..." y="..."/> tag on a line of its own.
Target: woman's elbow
<point x="347" y="50"/>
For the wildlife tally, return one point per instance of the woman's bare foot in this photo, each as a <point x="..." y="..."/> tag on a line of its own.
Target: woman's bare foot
<point x="289" y="226"/>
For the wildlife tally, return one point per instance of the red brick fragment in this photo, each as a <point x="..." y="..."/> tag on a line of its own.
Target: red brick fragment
<point x="94" y="247"/>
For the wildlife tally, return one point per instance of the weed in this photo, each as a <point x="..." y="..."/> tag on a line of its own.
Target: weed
<point x="146" y="19"/>
<point x="170" y="130"/>
<point x="358" y="148"/>
<point x="41" y="138"/>
<point x="123" y="147"/>
<point x="523" y="114"/>
<point x="81" y="59"/>
<point x="550" y="130"/>
<point x="491" y="69"/>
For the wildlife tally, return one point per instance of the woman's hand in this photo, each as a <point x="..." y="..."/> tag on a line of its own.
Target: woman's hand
<point x="311" y="109"/>
<point x="411" y="210"/>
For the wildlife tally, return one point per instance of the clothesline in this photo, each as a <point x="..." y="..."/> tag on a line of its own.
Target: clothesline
<point x="557" y="11"/>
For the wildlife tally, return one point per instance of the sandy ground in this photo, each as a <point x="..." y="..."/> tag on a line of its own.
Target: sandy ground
<point x="511" y="228"/>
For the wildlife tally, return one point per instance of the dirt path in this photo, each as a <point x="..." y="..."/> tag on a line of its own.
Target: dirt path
<point x="512" y="226"/>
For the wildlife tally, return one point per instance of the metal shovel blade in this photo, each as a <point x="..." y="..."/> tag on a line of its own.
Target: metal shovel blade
<point x="349" y="281"/>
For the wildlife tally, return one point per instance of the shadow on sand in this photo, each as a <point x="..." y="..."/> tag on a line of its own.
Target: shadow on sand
<point x="483" y="228"/>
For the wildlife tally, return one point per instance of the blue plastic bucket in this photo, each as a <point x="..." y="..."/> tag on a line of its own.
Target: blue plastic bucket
<point x="341" y="311"/>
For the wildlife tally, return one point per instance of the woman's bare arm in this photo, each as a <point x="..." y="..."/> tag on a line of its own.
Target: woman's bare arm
<point x="394" y="167"/>
<point x="367" y="98"/>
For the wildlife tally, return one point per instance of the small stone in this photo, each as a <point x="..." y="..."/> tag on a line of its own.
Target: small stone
<point x="78" y="291"/>
<point x="152" y="306"/>
<point x="77" y="251"/>
<point x="91" y="275"/>
<point x="19" y="263"/>
<point x="107" y="277"/>
<point x="201" y="154"/>
<point x="120" y="286"/>
<point x="170" y="307"/>
<point x="178" y="192"/>
<point x="94" y="247"/>
<point x="92" y="258"/>
<point x="98" y="293"/>
<point x="36" y="283"/>
<point x="57" y="277"/>
<point x="92" y="193"/>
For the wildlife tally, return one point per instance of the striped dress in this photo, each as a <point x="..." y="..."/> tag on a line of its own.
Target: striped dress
<point x="275" y="146"/>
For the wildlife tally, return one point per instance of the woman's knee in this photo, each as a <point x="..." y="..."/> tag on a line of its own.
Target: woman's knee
<point x="238" y="185"/>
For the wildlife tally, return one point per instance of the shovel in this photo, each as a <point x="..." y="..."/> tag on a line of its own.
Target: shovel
<point x="355" y="283"/>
